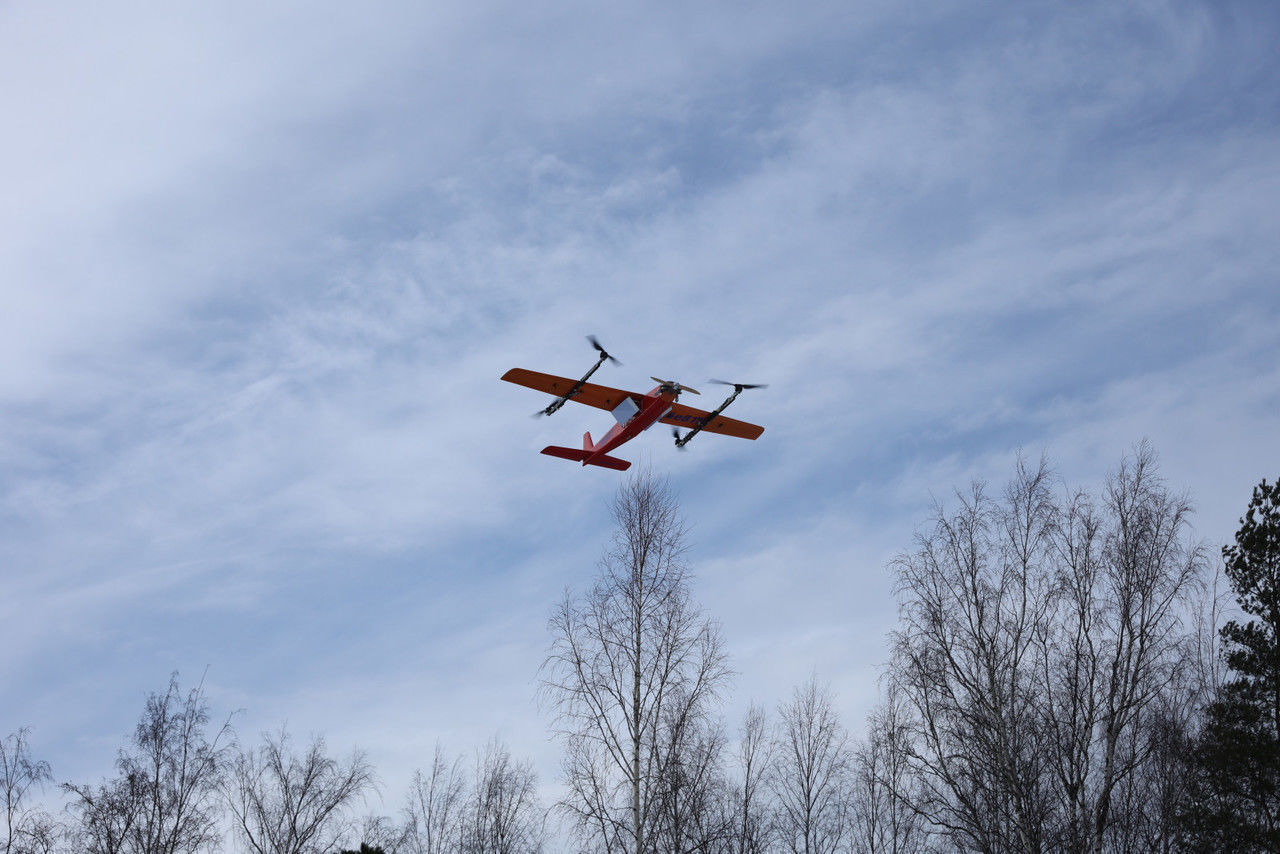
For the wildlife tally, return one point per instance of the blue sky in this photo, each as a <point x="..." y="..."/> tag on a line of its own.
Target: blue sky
<point x="262" y="264"/>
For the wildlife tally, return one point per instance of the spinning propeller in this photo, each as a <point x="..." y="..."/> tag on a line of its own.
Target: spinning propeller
<point x="739" y="386"/>
<point x="577" y="387"/>
<point x="674" y="386"/>
<point x="595" y="342"/>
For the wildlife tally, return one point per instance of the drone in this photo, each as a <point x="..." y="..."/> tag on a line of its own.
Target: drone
<point x="634" y="412"/>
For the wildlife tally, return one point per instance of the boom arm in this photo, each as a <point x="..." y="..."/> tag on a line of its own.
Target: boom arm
<point x="682" y="441"/>
<point x="577" y="387"/>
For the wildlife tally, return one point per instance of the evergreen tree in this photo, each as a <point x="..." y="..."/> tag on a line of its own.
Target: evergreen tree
<point x="1234" y="801"/>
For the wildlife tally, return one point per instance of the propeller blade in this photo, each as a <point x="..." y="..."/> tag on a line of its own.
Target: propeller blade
<point x="595" y="342"/>
<point x="674" y="384"/>
<point x="740" y="386"/>
<point x="671" y="383"/>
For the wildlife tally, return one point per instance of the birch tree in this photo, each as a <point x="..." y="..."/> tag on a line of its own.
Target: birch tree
<point x="1042" y="655"/>
<point x="503" y="816"/>
<point x="963" y="663"/>
<point x="283" y="802"/>
<point x="27" y="828"/>
<point x="434" y="806"/>
<point x="166" y="799"/>
<point x="633" y="666"/>
<point x="810" y="777"/>
<point x="750" y="806"/>
<point x="882" y="789"/>
<point x="1116" y="664"/>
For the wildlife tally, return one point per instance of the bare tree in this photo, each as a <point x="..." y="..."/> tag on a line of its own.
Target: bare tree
<point x="107" y="815"/>
<point x="503" y="816"/>
<point x="165" y="800"/>
<point x="810" y="777"/>
<point x="750" y="819"/>
<point x="381" y="833"/>
<point x="883" y="789"/>
<point x="633" y="666"/>
<point x="692" y="808"/>
<point x="1041" y="650"/>
<point x="433" y="809"/>
<point x="975" y="595"/>
<point x="1118" y="674"/>
<point x="27" y="828"/>
<point x="285" y="803"/>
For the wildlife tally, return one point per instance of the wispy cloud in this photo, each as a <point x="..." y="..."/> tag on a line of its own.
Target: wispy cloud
<point x="263" y="265"/>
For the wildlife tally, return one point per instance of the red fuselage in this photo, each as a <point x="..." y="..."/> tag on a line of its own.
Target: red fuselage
<point x="655" y="405"/>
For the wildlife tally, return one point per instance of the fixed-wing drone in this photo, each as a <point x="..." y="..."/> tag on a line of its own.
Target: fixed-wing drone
<point x="633" y="411"/>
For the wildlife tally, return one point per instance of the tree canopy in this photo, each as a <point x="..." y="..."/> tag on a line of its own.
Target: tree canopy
<point x="1234" y="802"/>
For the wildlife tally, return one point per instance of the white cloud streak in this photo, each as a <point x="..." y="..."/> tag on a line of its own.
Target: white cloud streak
<point x="264" y="263"/>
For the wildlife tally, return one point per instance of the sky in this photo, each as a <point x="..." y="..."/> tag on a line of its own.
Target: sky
<point x="262" y="264"/>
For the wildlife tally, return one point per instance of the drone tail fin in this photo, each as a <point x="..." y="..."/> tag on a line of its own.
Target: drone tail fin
<point x="586" y="458"/>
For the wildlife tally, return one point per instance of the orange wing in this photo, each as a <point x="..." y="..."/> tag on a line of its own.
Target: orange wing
<point x="686" y="416"/>
<point x="599" y="396"/>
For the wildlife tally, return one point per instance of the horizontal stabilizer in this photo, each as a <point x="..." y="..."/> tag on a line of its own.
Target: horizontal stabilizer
<point x="580" y="456"/>
<point x="611" y="463"/>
